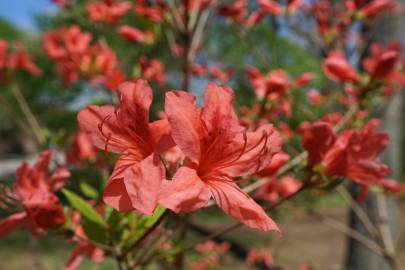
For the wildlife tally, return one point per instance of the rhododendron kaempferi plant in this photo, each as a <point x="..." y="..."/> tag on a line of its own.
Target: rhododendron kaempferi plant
<point x="33" y="195"/>
<point x="217" y="147"/>
<point x="126" y="130"/>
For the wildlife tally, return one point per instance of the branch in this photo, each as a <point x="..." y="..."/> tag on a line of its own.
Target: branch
<point x="145" y="235"/>
<point x="385" y="232"/>
<point x="32" y="121"/>
<point x="341" y="227"/>
<point x="368" y="224"/>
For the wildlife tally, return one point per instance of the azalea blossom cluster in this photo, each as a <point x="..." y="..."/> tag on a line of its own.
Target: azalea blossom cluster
<point x="352" y="154"/>
<point x="216" y="148"/>
<point x="17" y="59"/>
<point x="76" y="57"/>
<point x="383" y="70"/>
<point x="38" y="208"/>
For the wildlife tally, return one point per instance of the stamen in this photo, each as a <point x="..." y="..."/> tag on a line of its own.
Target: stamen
<point x="244" y="151"/>
<point x="9" y="199"/>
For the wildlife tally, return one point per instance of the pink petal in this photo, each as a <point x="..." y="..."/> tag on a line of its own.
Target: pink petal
<point x="11" y="223"/>
<point x="82" y="250"/>
<point x="240" y="206"/>
<point x="100" y="123"/>
<point x="185" y="122"/>
<point x="250" y="153"/>
<point x="185" y="193"/>
<point x="116" y="195"/>
<point x="161" y="135"/>
<point x="42" y="163"/>
<point x="58" y="178"/>
<point x="318" y="139"/>
<point x="218" y="114"/>
<point x="135" y="100"/>
<point x="142" y="183"/>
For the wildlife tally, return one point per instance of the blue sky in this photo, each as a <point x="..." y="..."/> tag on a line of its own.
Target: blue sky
<point x="20" y="12"/>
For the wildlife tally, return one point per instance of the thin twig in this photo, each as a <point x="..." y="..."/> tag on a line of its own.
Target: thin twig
<point x="341" y="227"/>
<point x="33" y="122"/>
<point x="145" y="235"/>
<point x="12" y="114"/>
<point x="368" y="224"/>
<point x="385" y="232"/>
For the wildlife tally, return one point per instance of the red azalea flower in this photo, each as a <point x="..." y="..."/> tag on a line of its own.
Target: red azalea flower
<point x="270" y="6"/>
<point x="99" y="61"/>
<point x="336" y="68"/>
<point x="236" y="11"/>
<point x="263" y="255"/>
<point x="315" y="98"/>
<point x="84" y="248"/>
<point x="197" y="5"/>
<point x="41" y="209"/>
<point x="353" y="154"/>
<point x="278" y="161"/>
<point x="3" y="53"/>
<point x="375" y="7"/>
<point x="23" y="61"/>
<point x="11" y="61"/>
<point x="219" y="74"/>
<point x="273" y="85"/>
<point x="293" y="5"/>
<point x="82" y="149"/>
<point x="107" y="11"/>
<point x="383" y="61"/>
<point x="113" y="79"/>
<point x="304" y="79"/>
<point x="254" y="18"/>
<point x="66" y="43"/>
<point x="126" y="130"/>
<point x="152" y="69"/>
<point x="135" y="35"/>
<point x="317" y="141"/>
<point x="211" y="252"/>
<point x="218" y="149"/>
<point x="275" y="188"/>
<point x="153" y="14"/>
<point x="199" y="69"/>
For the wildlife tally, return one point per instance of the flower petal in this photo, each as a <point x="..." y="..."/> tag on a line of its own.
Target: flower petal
<point x="100" y="123"/>
<point x="135" y="100"/>
<point x="185" y="193"/>
<point x="11" y="223"/>
<point x="240" y="206"/>
<point x="218" y="113"/>
<point x="58" y="178"/>
<point x="116" y="195"/>
<point x="250" y="152"/>
<point x="184" y="118"/>
<point x="318" y="139"/>
<point x="142" y="183"/>
<point x="337" y="68"/>
<point x="161" y="135"/>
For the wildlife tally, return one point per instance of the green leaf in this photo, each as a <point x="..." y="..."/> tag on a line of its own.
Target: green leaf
<point x="150" y="220"/>
<point x="94" y="231"/>
<point x="84" y="208"/>
<point x="88" y="190"/>
<point x="145" y="223"/>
